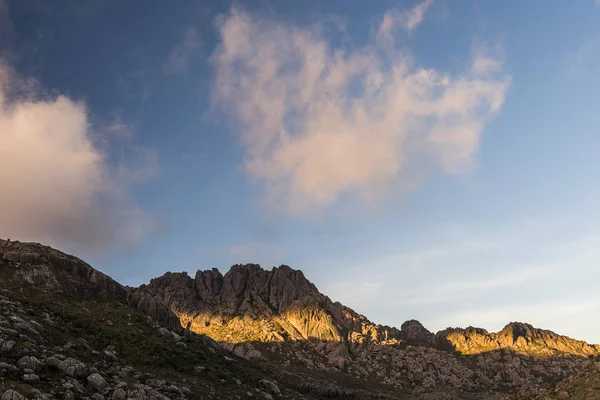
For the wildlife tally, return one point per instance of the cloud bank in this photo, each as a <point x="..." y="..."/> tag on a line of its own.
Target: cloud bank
<point x="56" y="185"/>
<point x="318" y="122"/>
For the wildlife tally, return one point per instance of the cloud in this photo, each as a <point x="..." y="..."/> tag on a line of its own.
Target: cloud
<point x="178" y="60"/>
<point x="408" y="20"/>
<point x="318" y="123"/>
<point x="57" y="185"/>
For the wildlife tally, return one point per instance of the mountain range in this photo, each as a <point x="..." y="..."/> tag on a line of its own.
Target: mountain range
<point x="69" y="331"/>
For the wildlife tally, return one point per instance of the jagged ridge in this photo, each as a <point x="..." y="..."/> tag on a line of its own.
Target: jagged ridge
<point x="517" y="336"/>
<point x="249" y="303"/>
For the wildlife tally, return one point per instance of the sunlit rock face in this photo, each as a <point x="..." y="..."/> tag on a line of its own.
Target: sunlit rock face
<point x="519" y="337"/>
<point x="249" y="303"/>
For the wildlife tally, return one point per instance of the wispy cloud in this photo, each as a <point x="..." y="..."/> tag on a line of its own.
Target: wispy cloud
<point x="319" y="122"/>
<point x="57" y="184"/>
<point x="179" y="58"/>
<point x="408" y="20"/>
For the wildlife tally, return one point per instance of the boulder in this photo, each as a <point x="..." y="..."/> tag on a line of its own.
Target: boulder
<point x="28" y="362"/>
<point x="97" y="382"/>
<point x="73" y="367"/>
<point x="12" y="395"/>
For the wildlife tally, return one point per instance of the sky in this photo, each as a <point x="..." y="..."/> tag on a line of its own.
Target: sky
<point x="432" y="160"/>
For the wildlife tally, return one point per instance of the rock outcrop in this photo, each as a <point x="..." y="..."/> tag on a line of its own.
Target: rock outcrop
<point x="249" y="303"/>
<point x="415" y="333"/>
<point x="518" y="337"/>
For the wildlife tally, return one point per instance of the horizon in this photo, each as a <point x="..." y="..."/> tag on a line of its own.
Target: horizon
<point x="427" y="160"/>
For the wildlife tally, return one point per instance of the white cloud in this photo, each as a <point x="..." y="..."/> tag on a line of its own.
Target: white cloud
<point x="179" y="58"/>
<point x="408" y="20"/>
<point x="56" y="185"/>
<point x="319" y="122"/>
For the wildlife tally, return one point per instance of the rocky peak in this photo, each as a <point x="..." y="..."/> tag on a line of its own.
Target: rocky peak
<point x="514" y="330"/>
<point x="246" y="289"/>
<point x="208" y="285"/>
<point x="414" y="332"/>
<point x="280" y="302"/>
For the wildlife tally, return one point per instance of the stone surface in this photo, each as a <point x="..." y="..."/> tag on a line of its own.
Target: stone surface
<point x="12" y="395"/>
<point x="73" y="367"/>
<point x="96" y="381"/>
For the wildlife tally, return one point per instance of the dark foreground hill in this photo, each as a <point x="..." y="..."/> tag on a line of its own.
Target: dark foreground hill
<point x="67" y="331"/>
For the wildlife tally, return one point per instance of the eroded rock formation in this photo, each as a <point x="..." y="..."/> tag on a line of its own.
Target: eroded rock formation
<point x="249" y="303"/>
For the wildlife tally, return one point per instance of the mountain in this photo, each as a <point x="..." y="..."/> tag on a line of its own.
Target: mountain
<point x="281" y="316"/>
<point x="68" y="331"/>
<point x="251" y="304"/>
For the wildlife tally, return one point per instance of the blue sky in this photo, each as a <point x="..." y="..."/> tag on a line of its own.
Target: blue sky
<point x="434" y="160"/>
